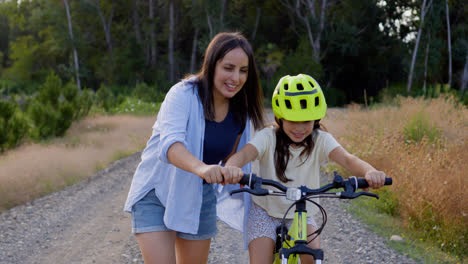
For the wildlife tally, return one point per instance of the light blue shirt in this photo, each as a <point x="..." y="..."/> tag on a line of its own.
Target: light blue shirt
<point x="181" y="119"/>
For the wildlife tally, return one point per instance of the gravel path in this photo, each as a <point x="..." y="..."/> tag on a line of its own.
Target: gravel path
<point x="84" y="223"/>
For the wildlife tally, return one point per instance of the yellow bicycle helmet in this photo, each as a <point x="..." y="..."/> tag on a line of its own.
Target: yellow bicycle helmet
<point x="298" y="98"/>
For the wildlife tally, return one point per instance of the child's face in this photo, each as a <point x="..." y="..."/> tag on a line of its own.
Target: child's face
<point x="298" y="131"/>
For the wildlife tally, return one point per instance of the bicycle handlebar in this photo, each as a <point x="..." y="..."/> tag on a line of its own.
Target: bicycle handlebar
<point x="300" y="195"/>
<point x="350" y="186"/>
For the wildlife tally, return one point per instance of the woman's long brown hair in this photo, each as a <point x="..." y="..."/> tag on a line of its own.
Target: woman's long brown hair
<point x="282" y="153"/>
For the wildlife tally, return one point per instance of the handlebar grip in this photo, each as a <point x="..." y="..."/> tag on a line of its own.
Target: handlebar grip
<point x="362" y="183"/>
<point x="248" y="179"/>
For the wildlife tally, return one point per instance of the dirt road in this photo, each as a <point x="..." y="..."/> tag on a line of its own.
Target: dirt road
<point x="85" y="224"/>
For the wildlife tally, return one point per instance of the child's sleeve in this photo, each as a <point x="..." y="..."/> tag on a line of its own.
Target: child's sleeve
<point x="327" y="143"/>
<point x="262" y="141"/>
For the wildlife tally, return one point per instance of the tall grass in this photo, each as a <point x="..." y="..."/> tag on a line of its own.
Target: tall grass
<point x="423" y="145"/>
<point x="34" y="170"/>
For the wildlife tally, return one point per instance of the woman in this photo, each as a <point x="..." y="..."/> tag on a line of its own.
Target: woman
<point x="203" y="119"/>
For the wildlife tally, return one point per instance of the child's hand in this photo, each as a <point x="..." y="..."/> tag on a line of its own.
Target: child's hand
<point x="232" y="175"/>
<point x="211" y="173"/>
<point x="375" y="179"/>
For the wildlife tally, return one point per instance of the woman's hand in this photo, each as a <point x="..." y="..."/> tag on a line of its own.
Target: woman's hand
<point x="211" y="173"/>
<point x="219" y="174"/>
<point x="232" y="174"/>
<point x="375" y="179"/>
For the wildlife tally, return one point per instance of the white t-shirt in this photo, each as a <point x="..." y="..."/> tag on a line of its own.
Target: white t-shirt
<point x="306" y="174"/>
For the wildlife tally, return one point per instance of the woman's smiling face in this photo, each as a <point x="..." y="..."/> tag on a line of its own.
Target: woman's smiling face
<point x="230" y="74"/>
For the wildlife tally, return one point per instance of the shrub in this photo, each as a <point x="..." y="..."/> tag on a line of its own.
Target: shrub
<point x="105" y="98"/>
<point x="13" y="125"/>
<point x="85" y="102"/>
<point x="135" y="106"/>
<point x="56" y="106"/>
<point x="147" y="93"/>
<point x="44" y="118"/>
<point x="464" y="97"/>
<point x="419" y="127"/>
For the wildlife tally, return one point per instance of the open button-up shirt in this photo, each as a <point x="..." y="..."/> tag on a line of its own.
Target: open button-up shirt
<point x="181" y="119"/>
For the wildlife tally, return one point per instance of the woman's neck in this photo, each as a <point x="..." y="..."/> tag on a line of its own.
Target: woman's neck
<point x="221" y="108"/>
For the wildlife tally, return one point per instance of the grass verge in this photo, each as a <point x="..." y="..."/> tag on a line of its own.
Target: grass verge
<point x="35" y="170"/>
<point x="413" y="244"/>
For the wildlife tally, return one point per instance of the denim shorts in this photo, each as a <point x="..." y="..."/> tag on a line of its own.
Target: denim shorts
<point x="148" y="215"/>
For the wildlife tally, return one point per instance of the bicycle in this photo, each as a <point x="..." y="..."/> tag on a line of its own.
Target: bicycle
<point x="290" y="244"/>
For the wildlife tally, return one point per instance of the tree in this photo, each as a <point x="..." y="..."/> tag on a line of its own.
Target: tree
<point x="449" y="43"/>
<point x="424" y="9"/>
<point x="313" y="17"/>
<point x="464" y="78"/>
<point x="75" y="53"/>
<point x="153" y="44"/>
<point x="171" y="41"/>
<point x="106" y="22"/>
<point x="136" y="20"/>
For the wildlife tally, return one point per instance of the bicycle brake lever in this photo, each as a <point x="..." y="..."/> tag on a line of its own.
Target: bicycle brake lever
<point x="367" y="194"/>
<point x="238" y="191"/>
<point x="352" y="195"/>
<point x="261" y="192"/>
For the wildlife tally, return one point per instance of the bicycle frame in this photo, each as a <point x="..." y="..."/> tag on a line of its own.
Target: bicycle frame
<point x="297" y="235"/>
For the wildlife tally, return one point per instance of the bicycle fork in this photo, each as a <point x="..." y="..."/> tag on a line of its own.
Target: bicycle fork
<point x="298" y="234"/>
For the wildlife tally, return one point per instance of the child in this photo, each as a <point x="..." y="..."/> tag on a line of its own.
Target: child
<point x="293" y="152"/>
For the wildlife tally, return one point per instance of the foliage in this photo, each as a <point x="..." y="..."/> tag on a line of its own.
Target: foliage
<point x="464" y="97"/>
<point x="148" y="93"/>
<point x="333" y="96"/>
<point x="55" y="108"/>
<point x="300" y="60"/>
<point x="14" y="125"/>
<point x="105" y="98"/>
<point x="269" y="59"/>
<point x="419" y="126"/>
<point x="362" y="46"/>
<point x="135" y="106"/>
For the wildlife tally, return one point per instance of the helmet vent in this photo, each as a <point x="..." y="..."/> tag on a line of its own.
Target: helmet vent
<point x="303" y="104"/>
<point x="288" y="104"/>
<point x="311" y="84"/>
<point x="300" y="87"/>
<point x="277" y="103"/>
<point x="317" y="101"/>
<point x="286" y="87"/>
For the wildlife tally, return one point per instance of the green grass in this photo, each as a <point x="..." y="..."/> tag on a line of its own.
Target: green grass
<point x="372" y="213"/>
<point x="131" y="106"/>
<point x="419" y="126"/>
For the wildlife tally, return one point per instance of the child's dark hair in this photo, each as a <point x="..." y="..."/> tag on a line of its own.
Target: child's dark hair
<point x="282" y="153"/>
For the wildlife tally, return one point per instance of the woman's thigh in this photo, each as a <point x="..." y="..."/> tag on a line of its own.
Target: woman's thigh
<point x="192" y="251"/>
<point x="157" y="247"/>
<point x="149" y="228"/>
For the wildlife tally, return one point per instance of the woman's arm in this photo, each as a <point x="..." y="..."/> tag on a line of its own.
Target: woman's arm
<point x="358" y="167"/>
<point x="179" y="156"/>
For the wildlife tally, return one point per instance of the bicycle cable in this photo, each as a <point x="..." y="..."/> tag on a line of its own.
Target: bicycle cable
<point x="324" y="221"/>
